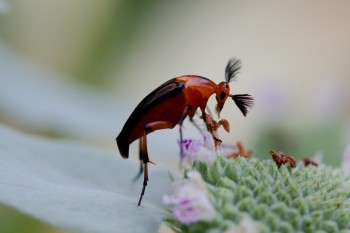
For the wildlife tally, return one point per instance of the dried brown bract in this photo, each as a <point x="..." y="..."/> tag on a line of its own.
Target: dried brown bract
<point x="242" y="152"/>
<point x="308" y="161"/>
<point x="281" y="158"/>
<point x="213" y="126"/>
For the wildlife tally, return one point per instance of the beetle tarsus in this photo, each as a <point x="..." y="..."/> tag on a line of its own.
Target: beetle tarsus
<point x="142" y="192"/>
<point x="217" y="139"/>
<point x="144" y="183"/>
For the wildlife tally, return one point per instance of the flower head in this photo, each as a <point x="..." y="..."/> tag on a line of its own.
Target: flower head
<point x="190" y="200"/>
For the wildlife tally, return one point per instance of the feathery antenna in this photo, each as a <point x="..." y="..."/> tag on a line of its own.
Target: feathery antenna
<point x="232" y="69"/>
<point x="243" y="102"/>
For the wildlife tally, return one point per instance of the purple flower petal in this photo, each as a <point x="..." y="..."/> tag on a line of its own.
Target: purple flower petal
<point x="190" y="199"/>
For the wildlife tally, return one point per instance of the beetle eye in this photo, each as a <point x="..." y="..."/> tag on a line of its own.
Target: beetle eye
<point x="222" y="95"/>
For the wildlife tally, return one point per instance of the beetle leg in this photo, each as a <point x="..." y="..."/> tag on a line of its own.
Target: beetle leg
<point x="182" y="118"/>
<point x="143" y="150"/>
<point x="141" y="162"/>
<point x="209" y="112"/>
<point x="195" y="125"/>
<point x="153" y="126"/>
<point x="204" y="115"/>
<point x="145" y="160"/>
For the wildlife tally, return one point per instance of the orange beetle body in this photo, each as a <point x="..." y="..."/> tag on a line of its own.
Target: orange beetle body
<point x="193" y="91"/>
<point x="170" y="103"/>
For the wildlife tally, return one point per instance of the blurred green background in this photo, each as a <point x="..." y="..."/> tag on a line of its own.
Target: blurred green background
<point x="295" y="58"/>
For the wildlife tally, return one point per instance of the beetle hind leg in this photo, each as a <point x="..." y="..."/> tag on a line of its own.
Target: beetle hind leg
<point x="145" y="160"/>
<point x="144" y="153"/>
<point x="138" y="175"/>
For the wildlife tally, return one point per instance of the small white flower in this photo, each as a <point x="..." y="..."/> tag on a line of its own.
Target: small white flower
<point x="200" y="149"/>
<point x="345" y="166"/>
<point x="190" y="199"/>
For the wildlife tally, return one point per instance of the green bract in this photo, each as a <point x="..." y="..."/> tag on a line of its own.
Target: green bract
<point x="303" y="199"/>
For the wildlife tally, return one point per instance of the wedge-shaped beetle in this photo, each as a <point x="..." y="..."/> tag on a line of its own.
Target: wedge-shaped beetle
<point x="170" y="104"/>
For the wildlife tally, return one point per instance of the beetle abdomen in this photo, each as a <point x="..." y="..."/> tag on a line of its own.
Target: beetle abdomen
<point x="142" y="115"/>
<point x="123" y="144"/>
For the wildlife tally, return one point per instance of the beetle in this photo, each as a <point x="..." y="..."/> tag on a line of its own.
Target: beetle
<point x="169" y="105"/>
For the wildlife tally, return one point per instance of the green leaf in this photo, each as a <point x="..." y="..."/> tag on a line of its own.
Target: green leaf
<point x="77" y="187"/>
